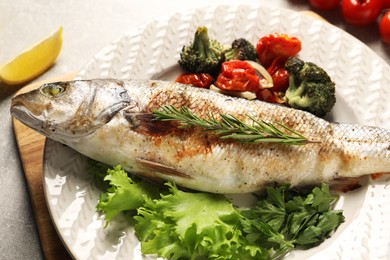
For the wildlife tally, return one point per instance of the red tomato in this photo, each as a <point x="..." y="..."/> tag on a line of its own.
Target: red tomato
<point x="237" y="75"/>
<point x="280" y="80"/>
<point x="385" y="4"/>
<point x="202" y="80"/>
<point x="325" y="4"/>
<point x="276" y="45"/>
<point x="280" y="76"/>
<point x="361" y="12"/>
<point x="384" y="27"/>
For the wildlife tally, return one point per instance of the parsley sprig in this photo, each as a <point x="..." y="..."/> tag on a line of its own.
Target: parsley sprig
<point x="292" y="220"/>
<point x="230" y="127"/>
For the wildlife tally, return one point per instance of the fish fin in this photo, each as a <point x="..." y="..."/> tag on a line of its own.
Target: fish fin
<point x="377" y="175"/>
<point x="344" y="184"/>
<point x="340" y="184"/>
<point x="162" y="169"/>
<point x="83" y="121"/>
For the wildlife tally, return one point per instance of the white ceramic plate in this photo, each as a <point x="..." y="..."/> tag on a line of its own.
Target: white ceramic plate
<point x="152" y="51"/>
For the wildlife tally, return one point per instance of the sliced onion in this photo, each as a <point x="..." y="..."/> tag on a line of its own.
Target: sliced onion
<point x="267" y="81"/>
<point x="243" y="94"/>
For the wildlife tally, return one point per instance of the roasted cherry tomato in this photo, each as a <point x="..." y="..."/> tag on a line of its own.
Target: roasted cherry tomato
<point x="361" y="12"/>
<point x="280" y="80"/>
<point x="279" y="75"/>
<point x="202" y="80"/>
<point x="385" y="4"/>
<point x="384" y="27"/>
<point x="325" y="4"/>
<point x="238" y="75"/>
<point x="276" y="45"/>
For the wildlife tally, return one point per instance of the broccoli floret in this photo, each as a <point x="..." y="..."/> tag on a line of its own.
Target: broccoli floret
<point x="204" y="55"/>
<point x="310" y="87"/>
<point x="241" y="49"/>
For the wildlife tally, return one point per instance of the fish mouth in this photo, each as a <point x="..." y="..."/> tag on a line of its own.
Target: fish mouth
<point x="37" y="123"/>
<point x="30" y="113"/>
<point x="25" y="116"/>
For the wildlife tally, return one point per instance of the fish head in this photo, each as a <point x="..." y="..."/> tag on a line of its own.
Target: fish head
<point x="72" y="109"/>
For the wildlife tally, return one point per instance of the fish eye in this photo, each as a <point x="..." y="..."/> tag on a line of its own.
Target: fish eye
<point x="52" y="90"/>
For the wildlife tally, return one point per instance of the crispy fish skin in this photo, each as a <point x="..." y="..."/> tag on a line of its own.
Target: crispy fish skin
<point x="111" y="121"/>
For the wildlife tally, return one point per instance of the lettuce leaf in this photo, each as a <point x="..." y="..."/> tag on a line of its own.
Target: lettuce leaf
<point x="191" y="225"/>
<point x="124" y="194"/>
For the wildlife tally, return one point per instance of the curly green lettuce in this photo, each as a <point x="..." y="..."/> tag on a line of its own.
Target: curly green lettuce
<point x="177" y="224"/>
<point x="124" y="194"/>
<point x="186" y="225"/>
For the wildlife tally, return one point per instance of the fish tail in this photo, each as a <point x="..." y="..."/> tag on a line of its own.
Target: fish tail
<point x="365" y="149"/>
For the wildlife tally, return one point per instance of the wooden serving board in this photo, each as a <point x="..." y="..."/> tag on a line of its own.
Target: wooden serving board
<point x="30" y="144"/>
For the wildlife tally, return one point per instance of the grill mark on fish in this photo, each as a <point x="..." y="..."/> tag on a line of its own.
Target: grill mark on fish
<point x="203" y="144"/>
<point x="146" y="124"/>
<point x="192" y="141"/>
<point x="175" y="97"/>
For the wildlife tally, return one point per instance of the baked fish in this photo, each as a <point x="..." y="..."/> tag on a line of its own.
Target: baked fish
<point x="111" y="121"/>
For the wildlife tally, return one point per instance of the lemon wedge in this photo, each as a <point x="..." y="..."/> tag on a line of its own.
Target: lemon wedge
<point x="32" y="62"/>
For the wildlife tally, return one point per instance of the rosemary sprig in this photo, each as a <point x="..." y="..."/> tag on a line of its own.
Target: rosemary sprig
<point x="230" y="127"/>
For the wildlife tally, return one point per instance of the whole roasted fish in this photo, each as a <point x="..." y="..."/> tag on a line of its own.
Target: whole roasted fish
<point x="111" y="121"/>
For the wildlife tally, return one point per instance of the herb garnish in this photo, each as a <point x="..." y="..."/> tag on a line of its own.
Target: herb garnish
<point x="230" y="127"/>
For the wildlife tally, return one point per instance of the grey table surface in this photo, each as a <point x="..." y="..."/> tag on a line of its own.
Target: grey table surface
<point x="89" y="26"/>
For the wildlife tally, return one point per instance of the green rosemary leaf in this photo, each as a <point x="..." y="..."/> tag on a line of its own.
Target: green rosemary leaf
<point x="230" y="127"/>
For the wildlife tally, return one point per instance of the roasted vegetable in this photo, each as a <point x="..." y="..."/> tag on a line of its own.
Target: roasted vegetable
<point x="201" y="80"/>
<point x="241" y="49"/>
<point x="310" y="87"/>
<point x="204" y="55"/>
<point x="279" y="75"/>
<point x="238" y="75"/>
<point x="277" y="45"/>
